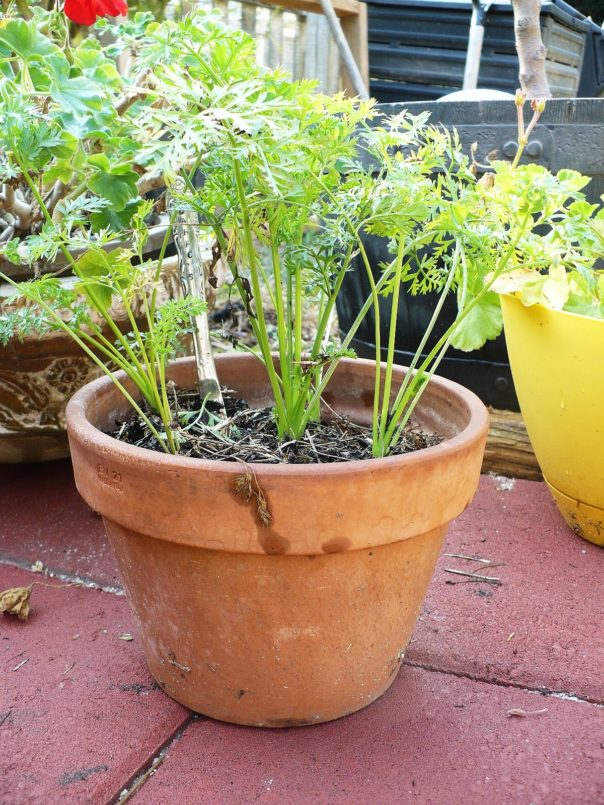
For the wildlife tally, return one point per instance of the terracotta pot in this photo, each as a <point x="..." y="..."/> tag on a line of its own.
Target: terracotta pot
<point x="307" y="619"/>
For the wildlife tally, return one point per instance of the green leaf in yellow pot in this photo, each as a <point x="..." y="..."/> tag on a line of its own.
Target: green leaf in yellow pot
<point x="552" y="289"/>
<point x="482" y="323"/>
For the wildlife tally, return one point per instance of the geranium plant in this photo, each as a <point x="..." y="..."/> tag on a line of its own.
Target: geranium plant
<point x="287" y="181"/>
<point x="69" y="136"/>
<point x="74" y="179"/>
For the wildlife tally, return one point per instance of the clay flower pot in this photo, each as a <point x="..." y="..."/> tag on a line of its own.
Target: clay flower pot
<point x="301" y="621"/>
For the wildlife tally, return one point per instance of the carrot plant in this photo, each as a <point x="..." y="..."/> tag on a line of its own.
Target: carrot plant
<point x="289" y="182"/>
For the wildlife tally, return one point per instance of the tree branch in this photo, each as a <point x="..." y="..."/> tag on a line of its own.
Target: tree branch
<point x="135" y="93"/>
<point x="530" y="48"/>
<point x="21" y="211"/>
<point x="58" y="192"/>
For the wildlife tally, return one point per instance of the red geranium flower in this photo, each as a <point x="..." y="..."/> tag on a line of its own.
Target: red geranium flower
<point x="85" y="12"/>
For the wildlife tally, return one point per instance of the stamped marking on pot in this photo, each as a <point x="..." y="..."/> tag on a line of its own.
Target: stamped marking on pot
<point x="109" y="477"/>
<point x="273" y="544"/>
<point x="336" y="545"/>
<point x="294" y="632"/>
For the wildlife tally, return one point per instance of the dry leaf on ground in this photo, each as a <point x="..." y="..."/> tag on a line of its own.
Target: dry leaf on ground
<point x="15" y="601"/>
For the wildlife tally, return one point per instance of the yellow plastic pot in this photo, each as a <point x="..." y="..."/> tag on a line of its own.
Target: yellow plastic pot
<point x="557" y="362"/>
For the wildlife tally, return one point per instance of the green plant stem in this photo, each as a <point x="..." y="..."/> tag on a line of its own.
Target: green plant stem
<point x="164" y="409"/>
<point x="111" y="375"/>
<point x="375" y="298"/>
<point x="153" y="395"/>
<point x="368" y="303"/>
<point x="447" y="336"/>
<point x="391" y="339"/>
<point x="428" y="331"/>
<point x="100" y="310"/>
<point x="264" y="342"/>
<point x="410" y="395"/>
<point x="347" y="340"/>
<point x="102" y="344"/>
<point x="325" y="317"/>
<point x="281" y="325"/>
<point x="323" y="327"/>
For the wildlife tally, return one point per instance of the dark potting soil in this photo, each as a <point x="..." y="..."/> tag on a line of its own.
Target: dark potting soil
<point x="249" y="435"/>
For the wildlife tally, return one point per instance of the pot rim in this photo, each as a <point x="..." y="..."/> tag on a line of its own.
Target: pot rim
<point x="80" y="424"/>
<point x="515" y="298"/>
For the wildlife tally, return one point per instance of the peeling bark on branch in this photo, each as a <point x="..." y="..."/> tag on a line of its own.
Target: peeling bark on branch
<point x="59" y="191"/>
<point x="530" y="48"/>
<point x="135" y="93"/>
<point x="123" y="104"/>
<point x="150" y="181"/>
<point x="21" y="211"/>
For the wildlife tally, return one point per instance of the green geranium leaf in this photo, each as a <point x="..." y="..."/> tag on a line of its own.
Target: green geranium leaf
<point x="100" y="161"/>
<point x="116" y="183"/>
<point x="573" y="180"/>
<point x="555" y="288"/>
<point x="94" y="65"/>
<point x="579" y="305"/>
<point x="112" y="220"/>
<point x="483" y="323"/>
<point x="76" y="96"/>
<point x="102" y="274"/>
<point x="61" y="171"/>
<point x="25" y="40"/>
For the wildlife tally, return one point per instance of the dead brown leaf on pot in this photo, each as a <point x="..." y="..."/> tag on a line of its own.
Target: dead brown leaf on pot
<point x="242" y="485"/>
<point x="246" y="486"/>
<point x="262" y="508"/>
<point x="15" y="601"/>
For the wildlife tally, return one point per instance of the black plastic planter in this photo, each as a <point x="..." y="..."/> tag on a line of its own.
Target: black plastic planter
<point x="417" y="49"/>
<point x="569" y="135"/>
<point x="486" y="372"/>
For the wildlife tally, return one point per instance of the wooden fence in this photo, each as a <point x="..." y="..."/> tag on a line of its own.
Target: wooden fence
<point x="296" y="40"/>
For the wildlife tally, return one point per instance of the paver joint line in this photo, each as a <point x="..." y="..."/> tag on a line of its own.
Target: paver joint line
<point x="84" y="582"/>
<point x="137" y="780"/>
<point x="504" y="684"/>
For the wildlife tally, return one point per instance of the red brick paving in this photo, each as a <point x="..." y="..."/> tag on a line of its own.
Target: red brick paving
<point x="79" y="709"/>
<point x="433" y="738"/>
<point x="81" y="733"/>
<point x="551" y="598"/>
<point x="44" y="518"/>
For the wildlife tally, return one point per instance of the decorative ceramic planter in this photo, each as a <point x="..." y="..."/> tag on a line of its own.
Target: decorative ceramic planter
<point x="306" y="619"/>
<point x="557" y="361"/>
<point x="38" y="376"/>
